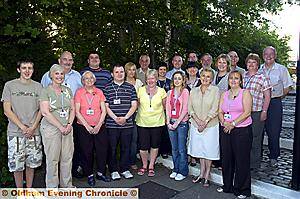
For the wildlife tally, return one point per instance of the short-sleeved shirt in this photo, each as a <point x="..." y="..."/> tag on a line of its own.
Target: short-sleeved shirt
<point x="141" y="75"/>
<point x="90" y="101"/>
<point x="239" y="69"/>
<point x="154" y="115"/>
<point x="171" y="72"/>
<point x="279" y="77"/>
<point x="23" y="98"/>
<point x="256" y="84"/>
<point x="72" y="80"/>
<point x="57" y="103"/>
<point x="119" y="99"/>
<point x="103" y="77"/>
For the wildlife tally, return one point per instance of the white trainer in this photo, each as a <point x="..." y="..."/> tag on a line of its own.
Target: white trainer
<point x="127" y="174"/>
<point x="115" y="176"/>
<point x="173" y="175"/>
<point x="179" y="177"/>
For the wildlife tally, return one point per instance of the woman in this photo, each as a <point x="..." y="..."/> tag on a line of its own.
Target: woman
<point x="150" y="120"/>
<point x="192" y="71"/>
<point x="57" y="107"/>
<point x="223" y="64"/>
<point x="130" y="70"/>
<point x="90" y="113"/>
<point x="177" y="122"/>
<point x="236" y="137"/>
<point x="204" y="130"/>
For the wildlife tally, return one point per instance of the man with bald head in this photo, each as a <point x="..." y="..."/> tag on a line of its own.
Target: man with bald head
<point x="234" y="61"/>
<point x="281" y="83"/>
<point x="72" y="77"/>
<point x="177" y="64"/>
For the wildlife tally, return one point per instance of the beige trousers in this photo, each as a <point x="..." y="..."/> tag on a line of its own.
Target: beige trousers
<point x="59" y="150"/>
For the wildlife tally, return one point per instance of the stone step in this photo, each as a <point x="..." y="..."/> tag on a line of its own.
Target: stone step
<point x="284" y="143"/>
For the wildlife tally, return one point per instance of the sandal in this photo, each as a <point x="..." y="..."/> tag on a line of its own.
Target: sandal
<point x="141" y="171"/>
<point x="197" y="179"/>
<point x="151" y="173"/>
<point x="206" y="183"/>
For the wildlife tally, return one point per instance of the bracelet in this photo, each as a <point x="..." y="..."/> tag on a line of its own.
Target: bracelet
<point x="264" y="111"/>
<point x="233" y="123"/>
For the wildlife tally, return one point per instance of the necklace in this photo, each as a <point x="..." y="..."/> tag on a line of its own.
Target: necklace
<point x="234" y="95"/>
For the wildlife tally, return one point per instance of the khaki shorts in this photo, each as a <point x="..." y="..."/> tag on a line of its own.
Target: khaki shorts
<point x="23" y="151"/>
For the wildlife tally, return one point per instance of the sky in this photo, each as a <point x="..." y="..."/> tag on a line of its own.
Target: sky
<point x="288" y="23"/>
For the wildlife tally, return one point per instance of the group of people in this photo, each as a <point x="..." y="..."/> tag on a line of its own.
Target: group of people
<point x="205" y="113"/>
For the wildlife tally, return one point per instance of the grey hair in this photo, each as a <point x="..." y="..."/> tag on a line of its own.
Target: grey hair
<point x="85" y="73"/>
<point x="54" y="68"/>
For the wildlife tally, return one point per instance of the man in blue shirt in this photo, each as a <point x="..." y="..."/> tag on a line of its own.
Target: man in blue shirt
<point x="177" y="63"/>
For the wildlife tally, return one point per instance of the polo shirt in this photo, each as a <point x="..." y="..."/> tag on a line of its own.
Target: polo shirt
<point x="126" y="94"/>
<point x="72" y="80"/>
<point x="103" y="77"/>
<point x="91" y="101"/>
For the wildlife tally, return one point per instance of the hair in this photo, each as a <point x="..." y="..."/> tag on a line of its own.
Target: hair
<point x="54" y="68"/>
<point x="128" y="66"/>
<point x="241" y="77"/>
<point x="272" y="48"/>
<point x="183" y="79"/>
<point x="162" y="64"/>
<point x="175" y="55"/>
<point x="117" y="66"/>
<point x="254" y="57"/>
<point x="208" y="70"/>
<point x="85" y="73"/>
<point x="93" y="52"/>
<point x="24" y="61"/>
<point x="207" y="54"/>
<point x="144" y="55"/>
<point x="152" y="72"/>
<point x="227" y="58"/>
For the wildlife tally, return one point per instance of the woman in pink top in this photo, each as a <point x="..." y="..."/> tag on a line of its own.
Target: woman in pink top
<point x="90" y="113"/>
<point x="177" y="123"/>
<point x="236" y="137"/>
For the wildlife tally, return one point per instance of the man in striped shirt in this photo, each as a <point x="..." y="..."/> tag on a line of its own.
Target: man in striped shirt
<point x="121" y="103"/>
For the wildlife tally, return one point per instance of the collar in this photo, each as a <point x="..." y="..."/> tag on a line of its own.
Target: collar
<point x="93" y="92"/>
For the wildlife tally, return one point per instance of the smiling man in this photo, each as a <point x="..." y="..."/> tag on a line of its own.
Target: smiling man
<point x="21" y="107"/>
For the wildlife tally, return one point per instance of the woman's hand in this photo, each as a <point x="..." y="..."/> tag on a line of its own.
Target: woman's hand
<point x="97" y="128"/>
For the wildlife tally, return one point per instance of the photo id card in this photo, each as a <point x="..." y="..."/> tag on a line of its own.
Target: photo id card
<point x="90" y="112"/>
<point x="63" y="114"/>
<point x="117" y="101"/>
<point x="227" y="116"/>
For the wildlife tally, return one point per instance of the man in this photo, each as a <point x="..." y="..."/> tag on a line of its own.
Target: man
<point x="234" y="60"/>
<point x="192" y="57"/>
<point x="21" y="107"/>
<point x="73" y="81"/>
<point x="280" y="82"/>
<point x="144" y="62"/>
<point x="177" y="64"/>
<point x="206" y="62"/>
<point x="103" y="77"/>
<point x="259" y="87"/>
<point x="121" y="103"/>
<point x="72" y="77"/>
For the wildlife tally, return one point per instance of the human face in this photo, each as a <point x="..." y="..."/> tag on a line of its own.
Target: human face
<point x="151" y="81"/>
<point x="94" y="60"/>
<point x="234" y="58"/>
<point x="58" y="77"/>
<point x="234" y="80"/>
<point x="162" y="71"/>
<point x="144" y="62"/>
<point x="178" y="80"/>
<point x="222" y="65"/>
<point x="118" y="74"/>
<point x="252" y="65"/>
<point x="193" y="57"/>
<point x="269" y="56"/>
<point x="131" y="72"/>
<point x="206" y="78"/>
<point x="66" y="61"/>
<point x="192" y="71"/>
<point x="26" y="71"/>
<point x="88" y="80"/>
<point x="177" y="62"/>
<point x="206" y="61"/>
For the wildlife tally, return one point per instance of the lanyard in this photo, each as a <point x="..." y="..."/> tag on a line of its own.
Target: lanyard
<point x="89" y="101"/>
<point x="116" y="91"/>
<point x="248" y="81"/>
<point x="62" y="100"/>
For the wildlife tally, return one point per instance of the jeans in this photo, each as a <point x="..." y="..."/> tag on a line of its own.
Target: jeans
<point x="178" y="139"/>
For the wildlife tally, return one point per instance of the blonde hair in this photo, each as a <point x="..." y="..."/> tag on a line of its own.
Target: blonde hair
<point x="85" y="73"/>
<point x="54" y="68"/>
<point x="152" y="72"/>
<point x="128" y="66"/>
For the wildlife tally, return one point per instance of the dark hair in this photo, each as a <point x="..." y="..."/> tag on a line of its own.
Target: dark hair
<point x="24" y="61"/>
<point x="183" y="79"/>
<point x="241" y="78"/>
<point x="118" y="66"/>
<point x="93" y="52"/>
<point x="162" y="64"/>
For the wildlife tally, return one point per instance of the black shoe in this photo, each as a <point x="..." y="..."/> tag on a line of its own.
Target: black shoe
<point x="78" y="173"/>
<point x="164" y="156"/>
<point x="91" y="181"/>
<point x="103" y="178"/>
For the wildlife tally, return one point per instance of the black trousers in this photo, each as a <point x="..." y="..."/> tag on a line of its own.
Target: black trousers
<point x="235" y="149"/>
<point x="88" y="144"/>
<point x="165" y="144"/>
<point x="123" y="136"/>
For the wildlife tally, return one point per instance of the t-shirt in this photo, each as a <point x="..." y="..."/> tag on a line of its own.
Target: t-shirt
<point x="24" y="102"/>
<point x="57" y="103"/>
<point x="154" y="115"/>
<point x="90" y="102"/>
<point x="119" y="98"/>
<point x="103" y="77"/>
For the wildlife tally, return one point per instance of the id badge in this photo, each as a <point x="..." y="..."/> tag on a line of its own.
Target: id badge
<point x="63" y="114"/>
<point x="90" y="112"/>
<point x="67" y="85"/>
<point x="174" y="112"/>
<point x="227" y="116"/>
<point x="117" y="101"/>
